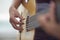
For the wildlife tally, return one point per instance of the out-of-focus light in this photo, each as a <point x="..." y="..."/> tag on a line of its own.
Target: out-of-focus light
<point x="4" y="17"/>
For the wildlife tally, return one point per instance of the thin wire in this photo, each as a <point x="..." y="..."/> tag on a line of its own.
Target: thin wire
<point x="20" y="31"/>
<point x="20" y="34"/>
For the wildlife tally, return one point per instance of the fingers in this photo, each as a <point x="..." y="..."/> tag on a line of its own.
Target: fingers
<point x="14" y="26"/>
<point x="52" y="11"/>
<point x="43" y="20"/>
<point x="13" y="15"/>
<point x="12" y="19"/>
<point x="14" y="23"/>
<point x="20" y="15"/>
<point x="17" y="28"/>
<point x="17" y="14"/>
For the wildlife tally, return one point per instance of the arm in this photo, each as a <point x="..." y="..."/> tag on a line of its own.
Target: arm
<point x="14" y="14"/>
<point x="15" y="4"/>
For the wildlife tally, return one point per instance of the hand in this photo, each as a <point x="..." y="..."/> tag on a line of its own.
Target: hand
<point x="48" y="22"/>
<point x="13" y="15"/>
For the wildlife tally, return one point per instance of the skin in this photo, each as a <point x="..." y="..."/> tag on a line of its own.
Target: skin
<point x="47" y="21"/>
<point x="15" y="14"/>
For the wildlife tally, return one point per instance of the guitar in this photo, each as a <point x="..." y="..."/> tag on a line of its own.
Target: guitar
<point x="30" y="6"/>
<point x="29" y="13"/>
<point x="28" y="9"/>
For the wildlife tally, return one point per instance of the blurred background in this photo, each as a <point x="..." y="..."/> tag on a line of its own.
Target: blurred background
<point x="6" y="30"/>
